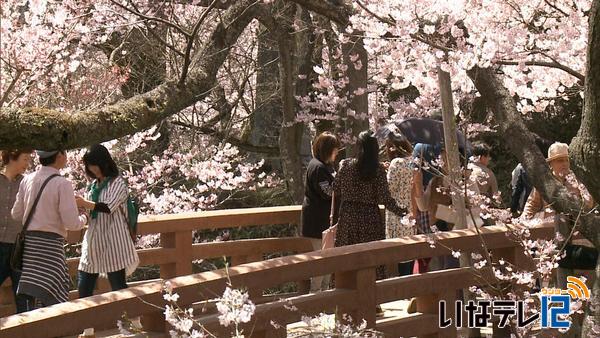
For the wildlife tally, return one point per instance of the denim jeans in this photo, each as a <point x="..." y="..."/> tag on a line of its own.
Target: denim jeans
<point x="6" y="271"/>
<point x="87" y="282"/>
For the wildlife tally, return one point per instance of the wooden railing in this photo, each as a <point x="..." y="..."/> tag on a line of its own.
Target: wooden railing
<point x="357" y="292"/>
<point x="176" y="252"/>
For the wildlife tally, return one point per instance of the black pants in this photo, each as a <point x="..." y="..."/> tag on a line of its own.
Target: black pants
<point x="87" y="282"/>
<point x="6" y="271"/>
<point x="405" y="268"/>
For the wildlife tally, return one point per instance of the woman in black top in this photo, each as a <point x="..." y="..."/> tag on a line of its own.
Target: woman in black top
<point x="318" y="187"/>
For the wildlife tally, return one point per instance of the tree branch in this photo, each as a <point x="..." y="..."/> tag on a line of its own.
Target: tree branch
<point x="152" y="18"/>
<point x="51" y="129"/>
<point x="389" y="21"/>
<point x="229" y="139"/>
<point x="552" y="64"/>
<point x="10" y="87"/>
<point x="190" y="42"/>
<point x="336" y="10"/>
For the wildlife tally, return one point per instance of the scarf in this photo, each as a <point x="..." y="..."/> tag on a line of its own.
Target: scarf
<point x="95" y="190"/>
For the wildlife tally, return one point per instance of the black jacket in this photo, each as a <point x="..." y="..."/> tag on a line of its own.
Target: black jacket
<point x="520" y="190"/>
<point x="317" y="198"/>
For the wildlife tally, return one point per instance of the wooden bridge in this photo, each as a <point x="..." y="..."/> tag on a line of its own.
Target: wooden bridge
<point x="357" y="292"/>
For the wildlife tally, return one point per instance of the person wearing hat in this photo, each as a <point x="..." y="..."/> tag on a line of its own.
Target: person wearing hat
<point x="45" y="203"/>
<point x="579" y="254"/>
<point x="558" y="160"/>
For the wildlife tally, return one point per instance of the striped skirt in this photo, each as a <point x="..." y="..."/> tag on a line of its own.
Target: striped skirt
<point x="45" y="274"/>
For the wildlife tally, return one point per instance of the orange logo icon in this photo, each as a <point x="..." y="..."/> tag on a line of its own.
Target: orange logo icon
<point x="577" y="289"/>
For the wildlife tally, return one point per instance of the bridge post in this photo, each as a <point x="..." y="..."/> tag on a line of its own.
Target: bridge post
<point x="254" y="293"/>
<point x="428" y="305"/>
<point x="363" y="281"/>
<point x="182" y="242"/>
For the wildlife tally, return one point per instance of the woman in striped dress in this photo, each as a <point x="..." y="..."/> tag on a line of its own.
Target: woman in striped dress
<point x="107" y="247"/>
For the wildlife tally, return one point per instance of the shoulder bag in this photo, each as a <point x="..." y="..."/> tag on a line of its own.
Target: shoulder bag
<point x="16" y="258"/>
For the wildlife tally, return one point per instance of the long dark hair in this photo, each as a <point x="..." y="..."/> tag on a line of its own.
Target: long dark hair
<point x="99" y="155"/>
<point x="368" y="155"/>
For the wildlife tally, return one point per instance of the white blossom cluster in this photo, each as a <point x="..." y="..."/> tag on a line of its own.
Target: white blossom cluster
<point x="235" y="307"/>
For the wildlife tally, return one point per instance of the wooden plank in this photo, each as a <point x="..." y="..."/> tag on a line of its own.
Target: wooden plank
<point x="246" y="247"/>
<point x="219" y="219"/>
<point x="154" y="256"/>
<point x="114" y="333"/>
<point x="423" y="284"/>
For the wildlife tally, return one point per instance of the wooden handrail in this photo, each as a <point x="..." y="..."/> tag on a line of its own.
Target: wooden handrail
<point x="176" y="252"/>
<point x="219" y="219"/>
<point x="353" y="265"/>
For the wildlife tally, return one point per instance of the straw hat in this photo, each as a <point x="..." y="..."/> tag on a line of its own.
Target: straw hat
<point x="558" y="150"/>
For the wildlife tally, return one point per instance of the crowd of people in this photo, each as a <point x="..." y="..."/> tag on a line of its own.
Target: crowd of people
<point x="43" y="207"/>
<point x="411" y="181"/>
<point x="414" y="185"/>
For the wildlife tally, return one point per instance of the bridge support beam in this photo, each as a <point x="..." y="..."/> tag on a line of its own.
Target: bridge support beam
<point x="182" y="241"/>
<point x="363" y="281"/>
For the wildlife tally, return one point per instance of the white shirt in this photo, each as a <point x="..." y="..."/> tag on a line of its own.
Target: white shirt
<point x="56" y="211"/>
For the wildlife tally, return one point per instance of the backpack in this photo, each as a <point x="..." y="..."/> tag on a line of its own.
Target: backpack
<point x="133" y="211"/>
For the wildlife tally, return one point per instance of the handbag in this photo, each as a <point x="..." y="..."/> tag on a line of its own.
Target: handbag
<point x="16" y="257"/>
<point x="448" y="214"/>
<point x="328" y="241"/>
<point x="579" y="257"/>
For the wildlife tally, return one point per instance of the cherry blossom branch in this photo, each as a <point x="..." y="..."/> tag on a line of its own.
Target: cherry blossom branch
<point x="552" y="64"/>
<point x="229" y="139"/>
<point x="153" y="18"/>
<point x="190" y="41"/>
<point x="389" y="21"/>
<point x="161" y="40"/>
<point x="10" y="87"/>
<point x="55" y="129"/>
<point x="521" y="142"/>
<point x="556" y="8"/>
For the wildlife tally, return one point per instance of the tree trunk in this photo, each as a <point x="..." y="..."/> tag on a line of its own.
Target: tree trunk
<point x="290" y="134"/>
<point x="291" y="130"/>
<point x="585" y="152"/>
<point x="265" y="122"/>
<point x="585" y="147"/>
<point x="357" y="112"/>
<point x="451" y="142"/>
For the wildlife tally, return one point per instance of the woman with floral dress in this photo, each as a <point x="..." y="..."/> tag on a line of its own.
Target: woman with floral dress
<point x="359" y="187"/>
<point x="399" y="178"/>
